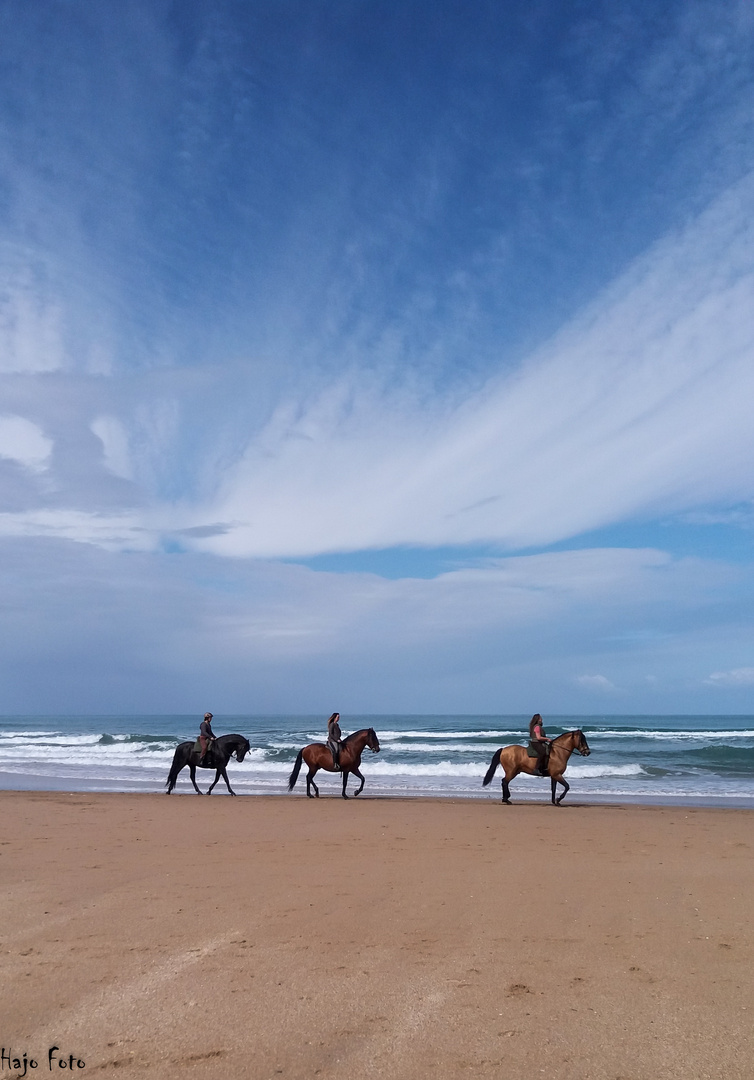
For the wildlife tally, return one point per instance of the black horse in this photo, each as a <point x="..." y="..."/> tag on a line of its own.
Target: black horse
<point x="217" y="758"/>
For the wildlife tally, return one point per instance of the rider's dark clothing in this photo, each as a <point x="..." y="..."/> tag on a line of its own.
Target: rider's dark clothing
<point x="539" y="743"/>
<point x="333" y="741"/>
<point x="206" y="736"/>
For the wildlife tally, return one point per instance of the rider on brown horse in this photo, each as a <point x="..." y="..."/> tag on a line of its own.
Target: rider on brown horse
<point x="333" y="739"/>
<point x="539" y="743"/>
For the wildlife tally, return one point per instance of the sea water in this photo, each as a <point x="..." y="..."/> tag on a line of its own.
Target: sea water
<point x="645" y="759"/>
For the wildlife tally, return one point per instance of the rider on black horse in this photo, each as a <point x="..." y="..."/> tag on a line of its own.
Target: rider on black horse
<point x="206" y="736"/>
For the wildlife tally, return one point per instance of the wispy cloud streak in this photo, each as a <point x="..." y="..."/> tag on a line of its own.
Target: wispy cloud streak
<point x="641" y="406"/>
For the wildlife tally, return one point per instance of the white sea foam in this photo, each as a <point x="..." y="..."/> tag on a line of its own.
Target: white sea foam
<point x="385" y="768"/>
<point x="671" y="736"/>
<point x="503" y="733"/>
<point x="576" y="769"/>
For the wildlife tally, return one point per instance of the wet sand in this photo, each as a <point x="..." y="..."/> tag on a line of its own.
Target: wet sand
<point x="281" y="937"/>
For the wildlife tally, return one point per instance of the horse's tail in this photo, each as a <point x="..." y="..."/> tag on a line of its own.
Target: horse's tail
<point x="296" y="770"/>
<point x="493" y="765"/>
<point x="175" y="768"/>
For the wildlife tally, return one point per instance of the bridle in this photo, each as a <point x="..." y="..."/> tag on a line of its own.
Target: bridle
<point x="581" y="747"/>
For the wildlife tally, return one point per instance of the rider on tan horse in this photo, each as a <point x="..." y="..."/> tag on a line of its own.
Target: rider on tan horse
<point x="516" y="759"/>
<point x="539" y="742"/>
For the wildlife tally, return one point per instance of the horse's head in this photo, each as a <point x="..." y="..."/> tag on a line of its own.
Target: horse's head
<point x="582" y="746"/>
<point x="372" y="741"/>
<point x="242" y="750"/>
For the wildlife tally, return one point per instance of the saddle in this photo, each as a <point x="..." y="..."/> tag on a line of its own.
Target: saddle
<point x="196" y="752"/>
<point x="533" y="751"/>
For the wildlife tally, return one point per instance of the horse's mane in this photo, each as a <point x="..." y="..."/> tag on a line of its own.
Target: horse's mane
<point x="576" y="731"/>
<point x="355" y="733"/>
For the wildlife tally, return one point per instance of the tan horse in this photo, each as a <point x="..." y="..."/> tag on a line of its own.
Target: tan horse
<point x="318" y="756"/>
<point x="515" y="760"/>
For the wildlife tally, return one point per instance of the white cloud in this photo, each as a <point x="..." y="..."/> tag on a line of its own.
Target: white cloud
<point x="640" y="406"/>
<point x="114" y="532"/>
<point x="595" y="682"/>
<point x="24" y="442"/>
<point x="114" y="438"/>
<point x="737" y="677"/>
<point x="265" y="636"/>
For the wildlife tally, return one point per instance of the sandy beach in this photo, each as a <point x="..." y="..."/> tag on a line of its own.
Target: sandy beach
<point x="263" y="937"/>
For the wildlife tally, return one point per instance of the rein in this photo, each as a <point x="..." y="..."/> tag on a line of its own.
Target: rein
<point x="574" y="749"/>
<point x="353" y="735"/>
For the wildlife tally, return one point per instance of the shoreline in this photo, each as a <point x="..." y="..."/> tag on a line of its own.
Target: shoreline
<point x="706" y="801"/>
<point x="696" y="761"/>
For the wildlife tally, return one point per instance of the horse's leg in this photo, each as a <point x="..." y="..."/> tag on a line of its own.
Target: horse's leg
<point x="345" y="782"/>
<point x="310" y="784"/>
<point x="566" y="785"/>
<point x="192" y="769"/>
<point x="218" y="774"/>
<point x="361" y="785"/>
<point x="507" y="777"/>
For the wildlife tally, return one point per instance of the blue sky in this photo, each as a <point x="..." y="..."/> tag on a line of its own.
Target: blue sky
<point x="376" y="357"/>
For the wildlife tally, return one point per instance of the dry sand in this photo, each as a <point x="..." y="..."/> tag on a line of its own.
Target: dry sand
<point x="282" y="937"/>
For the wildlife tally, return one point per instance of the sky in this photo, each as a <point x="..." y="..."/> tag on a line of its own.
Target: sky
<point x="376" y="357"/>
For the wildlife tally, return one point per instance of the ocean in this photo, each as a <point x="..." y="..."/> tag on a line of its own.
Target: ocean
<point x="702" y="760"/>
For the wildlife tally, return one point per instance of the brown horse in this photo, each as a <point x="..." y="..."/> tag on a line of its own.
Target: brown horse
<point x="318" y="756"/>
<point x="515" y="760"/>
